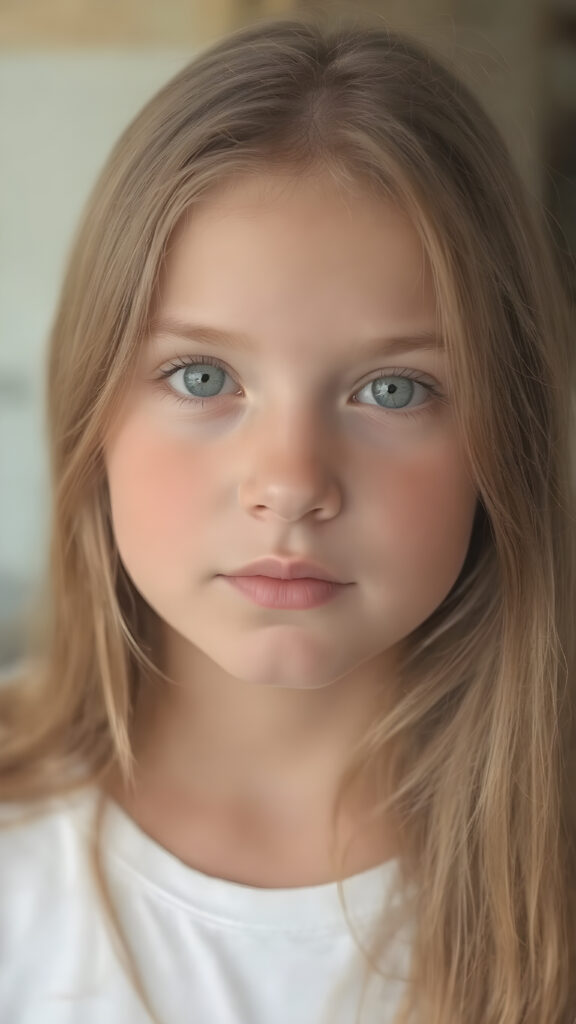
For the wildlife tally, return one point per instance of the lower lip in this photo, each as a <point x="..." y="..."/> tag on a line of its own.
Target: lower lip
<point x="273" y="593"/>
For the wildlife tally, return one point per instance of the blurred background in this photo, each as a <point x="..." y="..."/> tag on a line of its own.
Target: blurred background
<point x="74" y="72"/>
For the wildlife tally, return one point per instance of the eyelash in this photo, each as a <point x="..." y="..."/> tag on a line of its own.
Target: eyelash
<point x="180" y="363"/>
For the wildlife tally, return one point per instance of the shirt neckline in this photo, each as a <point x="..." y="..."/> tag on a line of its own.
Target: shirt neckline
<point x="314" y="907"/>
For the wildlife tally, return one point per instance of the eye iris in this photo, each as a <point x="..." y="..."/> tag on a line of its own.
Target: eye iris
<point x="400" y="391"/>
<point x="207" y="380"/>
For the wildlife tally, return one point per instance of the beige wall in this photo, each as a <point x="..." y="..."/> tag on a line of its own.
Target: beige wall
<point x="164" y="23"/>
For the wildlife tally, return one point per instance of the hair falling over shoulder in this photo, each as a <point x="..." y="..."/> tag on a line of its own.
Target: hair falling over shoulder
<point x="480" y="745"/>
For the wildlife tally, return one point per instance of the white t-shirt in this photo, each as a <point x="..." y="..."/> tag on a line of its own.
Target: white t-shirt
<point x="210" y="951"/>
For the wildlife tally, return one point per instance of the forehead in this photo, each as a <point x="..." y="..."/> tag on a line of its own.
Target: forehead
<point x="292" y="251"/>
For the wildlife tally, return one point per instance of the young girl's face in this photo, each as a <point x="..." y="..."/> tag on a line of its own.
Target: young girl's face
<point x="298" y="440"/>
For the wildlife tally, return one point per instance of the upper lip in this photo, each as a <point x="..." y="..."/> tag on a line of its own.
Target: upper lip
<point x="292" y="569"/>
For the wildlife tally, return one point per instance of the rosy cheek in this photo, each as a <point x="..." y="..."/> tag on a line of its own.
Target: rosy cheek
<point x="427" y="503"/>
<point x="157" y="485"/>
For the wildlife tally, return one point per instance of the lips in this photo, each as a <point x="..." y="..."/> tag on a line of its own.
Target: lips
<point x="295" y="569"/>
<point x="296" y="595"/>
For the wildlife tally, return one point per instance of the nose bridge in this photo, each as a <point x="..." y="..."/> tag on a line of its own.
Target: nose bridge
<point x="296" y="428"/>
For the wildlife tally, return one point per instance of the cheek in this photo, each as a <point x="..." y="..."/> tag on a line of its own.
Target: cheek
<point x="426" y="506"/>
<point x="160" y="495"/>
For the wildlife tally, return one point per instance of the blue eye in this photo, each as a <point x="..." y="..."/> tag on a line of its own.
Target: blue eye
<point x="204" y="376"/>
<point x="391" y="391"/>
<point x="203" y="380"/>
<point x="395" y="391"/>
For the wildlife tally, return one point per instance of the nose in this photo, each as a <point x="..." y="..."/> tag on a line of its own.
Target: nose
<point x="292" y="472"/>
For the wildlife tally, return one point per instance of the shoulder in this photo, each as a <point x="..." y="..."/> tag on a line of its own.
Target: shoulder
<point x="41" y="858"/>
<point x="57" y="964"/>
<point x="21" y="823"/>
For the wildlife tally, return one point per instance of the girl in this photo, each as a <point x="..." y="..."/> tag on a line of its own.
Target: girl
<point x="308" y="620"/>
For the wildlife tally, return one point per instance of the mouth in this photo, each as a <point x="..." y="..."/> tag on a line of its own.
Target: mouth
<point x="286" y="569"/>
<point x="296" y="594"/>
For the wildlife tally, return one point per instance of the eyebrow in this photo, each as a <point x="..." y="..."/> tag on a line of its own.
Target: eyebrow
<point x="174" y="327"/>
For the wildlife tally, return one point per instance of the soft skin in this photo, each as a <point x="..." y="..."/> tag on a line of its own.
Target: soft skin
<point x="284" y="460"/>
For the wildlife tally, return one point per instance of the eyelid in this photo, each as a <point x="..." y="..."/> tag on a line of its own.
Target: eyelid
<point x="181" y="362"/>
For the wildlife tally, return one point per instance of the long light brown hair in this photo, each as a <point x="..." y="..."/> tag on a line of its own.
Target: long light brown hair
<point x="478" y="750"/>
